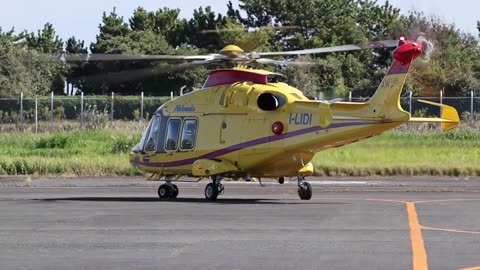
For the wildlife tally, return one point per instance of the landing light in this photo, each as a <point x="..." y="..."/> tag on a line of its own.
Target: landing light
<point x="277" y="128"/>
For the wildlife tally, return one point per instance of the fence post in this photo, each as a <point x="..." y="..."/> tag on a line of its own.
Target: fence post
<point x="410" y="102"/>
<point x="350" y="96"/>
<point x="472" y="116"/>
<point x="36" y="114"/>
<point x="51" y="113"/>
<point x="81" y="110"/>
<point x="441" y="101"/>
<point x="141" y="106"/>
<point x="21" y="111"/>
<point x="111" y="107"/>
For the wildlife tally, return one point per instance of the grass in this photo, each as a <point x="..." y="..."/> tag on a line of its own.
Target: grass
<point x="405" y="153"/>
<point x="105" y="153"/>
<point x="99" y="153"/>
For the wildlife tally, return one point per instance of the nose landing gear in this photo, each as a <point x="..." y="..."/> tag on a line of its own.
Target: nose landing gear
<point x="168" y="191"/>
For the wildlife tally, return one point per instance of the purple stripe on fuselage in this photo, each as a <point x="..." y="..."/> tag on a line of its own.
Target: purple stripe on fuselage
<point x="264" y="140"/>
<point x="398" y="71"/>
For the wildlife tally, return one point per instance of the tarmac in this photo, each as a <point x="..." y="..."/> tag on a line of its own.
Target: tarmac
<point x="350" y="223"/>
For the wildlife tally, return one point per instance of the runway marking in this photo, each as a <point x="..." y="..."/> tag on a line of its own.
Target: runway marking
<point x="471" y="268"/>
<point x="340" y="183"/>
<point x="447" y="200"/>
<point x="450" y="230"/>
<point x="384" y="200"/>
<point x="418" y="247"/>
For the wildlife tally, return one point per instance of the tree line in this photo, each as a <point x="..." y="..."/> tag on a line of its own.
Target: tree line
<point x="30" y="62"/>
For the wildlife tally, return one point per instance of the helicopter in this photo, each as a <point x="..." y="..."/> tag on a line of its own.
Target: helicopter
<point x="245" y="123"/>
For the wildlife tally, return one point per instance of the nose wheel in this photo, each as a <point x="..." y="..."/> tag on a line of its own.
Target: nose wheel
<point x="168" y="191"/>
<point x="304" y="189"/>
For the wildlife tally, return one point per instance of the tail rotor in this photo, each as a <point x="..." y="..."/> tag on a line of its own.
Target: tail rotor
<point x="427" y="48"/>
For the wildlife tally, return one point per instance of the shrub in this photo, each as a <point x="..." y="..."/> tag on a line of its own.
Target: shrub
<point x="54" y="141"/>
<point x="123" y="144"/>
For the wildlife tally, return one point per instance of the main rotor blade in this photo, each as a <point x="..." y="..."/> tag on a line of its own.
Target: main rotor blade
<point x="268" y="61"/>
<point x="343" y="48"/>
<point x="125" y="57"/>
<point x="138" y="74"/>
<point x="252" y="29"/>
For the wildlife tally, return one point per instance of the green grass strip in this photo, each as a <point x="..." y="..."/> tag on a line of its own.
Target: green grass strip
<point x="105" y="153"/>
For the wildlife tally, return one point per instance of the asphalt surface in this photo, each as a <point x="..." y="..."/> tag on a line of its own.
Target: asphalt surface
<point x="350" y="223"/>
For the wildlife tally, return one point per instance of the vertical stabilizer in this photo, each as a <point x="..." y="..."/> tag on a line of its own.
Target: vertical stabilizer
<point x="385" y="102"/>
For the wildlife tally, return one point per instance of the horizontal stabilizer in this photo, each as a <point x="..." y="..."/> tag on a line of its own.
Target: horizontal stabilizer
<point x="449" y="118"/>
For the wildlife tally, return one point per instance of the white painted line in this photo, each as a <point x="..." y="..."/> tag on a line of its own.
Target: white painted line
<point x="339" y="182"/>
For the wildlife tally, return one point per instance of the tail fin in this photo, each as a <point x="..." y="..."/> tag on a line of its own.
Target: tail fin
<point x="385" y="103"/>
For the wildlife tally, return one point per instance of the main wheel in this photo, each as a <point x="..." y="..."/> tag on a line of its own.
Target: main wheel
<point x="281" y="180"/>
<point x="174" y="191"/>
<point x="211" y="192"/>
<point x="305" y="191"/>
<point x="164" y="191"/>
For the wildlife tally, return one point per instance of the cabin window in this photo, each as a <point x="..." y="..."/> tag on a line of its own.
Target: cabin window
<point x="173" y="130"/>
<point x="152" y="138"/>
<point x="189" y="132"/>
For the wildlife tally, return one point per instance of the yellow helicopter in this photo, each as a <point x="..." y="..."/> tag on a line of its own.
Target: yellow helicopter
<point x="244" y="123"/>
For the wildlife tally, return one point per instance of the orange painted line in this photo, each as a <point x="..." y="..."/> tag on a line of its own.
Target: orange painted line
<point x="450" y="230"/>
<point x="418" y="247"/>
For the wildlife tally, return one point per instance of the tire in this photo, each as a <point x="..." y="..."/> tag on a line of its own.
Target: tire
<point x="281" y="180"/>
<point x="305" y="191"/>
<point x="174" y="190"/>
<point x="164" y="191"/>
<point x="211" y="192"/>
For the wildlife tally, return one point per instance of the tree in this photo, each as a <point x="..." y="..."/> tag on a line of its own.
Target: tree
<point x="45" y="41"/>
<point x="454" y="61"/>
<point x="24" y="66"/>
<point x="197" y="30"/>
<point x="234" y="33"/>
<point x="148" y="33"/>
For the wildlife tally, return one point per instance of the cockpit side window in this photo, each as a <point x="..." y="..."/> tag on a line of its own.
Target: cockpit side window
<point x="152" y="138"/>
<point x="173" y="132"/>
<point x="189" y="133"/>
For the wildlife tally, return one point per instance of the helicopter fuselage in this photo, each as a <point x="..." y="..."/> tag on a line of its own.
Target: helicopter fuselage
<point x="262" y="129"/>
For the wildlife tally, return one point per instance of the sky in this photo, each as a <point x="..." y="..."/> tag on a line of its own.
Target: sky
<point x="83" y="20"/>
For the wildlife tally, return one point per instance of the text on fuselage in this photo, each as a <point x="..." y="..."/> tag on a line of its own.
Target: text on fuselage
<point x="182" y="108"/>
<point x="300" y="119"/>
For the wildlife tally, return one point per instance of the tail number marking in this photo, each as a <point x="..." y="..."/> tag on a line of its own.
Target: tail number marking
<point x="300" y="119"/>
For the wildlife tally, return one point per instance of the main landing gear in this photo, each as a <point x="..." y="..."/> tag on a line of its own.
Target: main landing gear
<point x="215" y="188"/>
<point x="304" y="189"/>
<point x="212" y="190"/>
<point x="168" y="190"/>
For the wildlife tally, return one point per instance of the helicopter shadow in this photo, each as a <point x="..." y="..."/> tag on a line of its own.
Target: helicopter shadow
<point x="185" y="200"/>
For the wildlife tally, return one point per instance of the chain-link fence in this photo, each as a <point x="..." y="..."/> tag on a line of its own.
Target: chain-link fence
<point x="55" y="113"/>
<point x="59" y="113"/>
